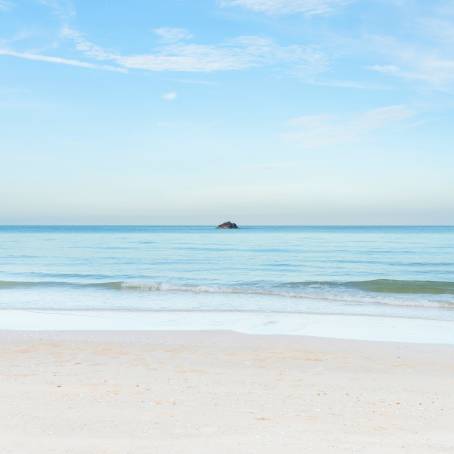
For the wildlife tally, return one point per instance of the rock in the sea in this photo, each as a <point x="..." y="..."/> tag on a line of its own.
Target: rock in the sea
<point x="227" y="225"/>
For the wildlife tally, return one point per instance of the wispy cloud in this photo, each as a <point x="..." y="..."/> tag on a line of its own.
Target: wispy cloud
<point x="63" y="9"/>
<point x="439" y="73"/>
<point x="240" y="53"/>
<point x="176" y="51"/>
<point x="434" y="67"/>
<point x="195" y="82"/>
<point x="85" y="46"/>
<point x="5" y="5"/>
<point x="308" y="7"/>
<point x="426" y="57"/>
<point x="348" y="84"/>
<point x="172" y="34"/>
<point x="169" y="96"/>
<point x="317" y="131"/>
<point x="58" y="60"/>
<point x="440" y="29"/>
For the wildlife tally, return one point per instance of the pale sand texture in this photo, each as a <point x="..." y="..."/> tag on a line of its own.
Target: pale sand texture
<point x="137" y="393"/>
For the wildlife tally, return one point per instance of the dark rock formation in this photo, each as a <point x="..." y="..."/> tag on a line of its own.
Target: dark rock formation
<point x="227" y="225"/>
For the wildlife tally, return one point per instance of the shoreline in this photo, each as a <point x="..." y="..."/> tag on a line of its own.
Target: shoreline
<point x="176" y="392"/>
<point x="221" y="337"/>
<point x="332" y="326"/>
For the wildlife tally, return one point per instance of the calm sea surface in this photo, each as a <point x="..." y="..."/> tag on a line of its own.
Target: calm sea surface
<point x="391" y="271"/>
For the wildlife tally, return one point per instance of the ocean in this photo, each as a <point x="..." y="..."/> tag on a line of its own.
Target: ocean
<point x="386" y="272"/>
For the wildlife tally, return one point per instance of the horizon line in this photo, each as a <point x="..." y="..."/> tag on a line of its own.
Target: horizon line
<point x="215" y="225"/>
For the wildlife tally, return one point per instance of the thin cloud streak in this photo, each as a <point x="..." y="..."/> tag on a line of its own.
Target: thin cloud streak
<point x="318" y="131"/>
<point x="58" y="60"/>
<point x="241" y="53"/>
<point x="430" y="64"/>
<point x="172" y="34"/>
<point x="63" y="9"/>
<point x="5" y="5"/>
<point x="275" y="7"/>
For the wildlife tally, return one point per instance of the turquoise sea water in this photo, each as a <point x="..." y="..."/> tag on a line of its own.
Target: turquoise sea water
<point x="387" y="271"/>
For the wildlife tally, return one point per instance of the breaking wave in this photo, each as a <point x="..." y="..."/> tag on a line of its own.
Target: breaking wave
<point x="410" y="287"/>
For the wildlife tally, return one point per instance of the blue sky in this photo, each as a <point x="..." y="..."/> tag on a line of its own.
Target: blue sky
<point x="259" y="111"/>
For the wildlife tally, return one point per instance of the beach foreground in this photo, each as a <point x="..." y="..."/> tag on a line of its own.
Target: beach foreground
<point x="206" y="392"/>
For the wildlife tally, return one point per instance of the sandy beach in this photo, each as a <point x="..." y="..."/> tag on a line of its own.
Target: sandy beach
<point x="220" y="392"/>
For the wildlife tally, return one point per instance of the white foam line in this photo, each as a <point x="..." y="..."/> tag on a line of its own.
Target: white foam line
<point x="320" y="325"/>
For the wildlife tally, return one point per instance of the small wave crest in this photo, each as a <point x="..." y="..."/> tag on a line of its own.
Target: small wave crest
<point x="394" y="286"/>
<point x="56" y="284"/>
<point x="292" y="289"/>
<point x="410" y="287"/>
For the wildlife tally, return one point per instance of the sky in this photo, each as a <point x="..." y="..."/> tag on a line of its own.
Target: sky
<point x="202" y="111"/>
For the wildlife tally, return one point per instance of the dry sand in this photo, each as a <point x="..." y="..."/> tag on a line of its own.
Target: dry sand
<point x="144" y="393"/>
